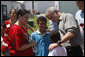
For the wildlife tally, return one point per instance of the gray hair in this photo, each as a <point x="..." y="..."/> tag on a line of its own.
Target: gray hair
<point x="51" y="9"/>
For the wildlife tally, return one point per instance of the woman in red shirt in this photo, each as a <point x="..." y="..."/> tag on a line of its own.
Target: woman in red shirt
<point x="8" y="24"/>
<point x="19" y="44"/>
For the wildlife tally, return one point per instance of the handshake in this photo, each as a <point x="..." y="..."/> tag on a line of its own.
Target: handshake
<point x="32" y="43"/>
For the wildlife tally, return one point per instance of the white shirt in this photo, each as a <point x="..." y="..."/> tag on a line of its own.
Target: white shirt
<point x="58" y="51"/>
<point x="80" y="18"/>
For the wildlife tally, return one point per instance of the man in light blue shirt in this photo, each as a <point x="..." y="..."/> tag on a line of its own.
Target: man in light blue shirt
<point x="41" y="37"/>
<point x="53" y="26"/>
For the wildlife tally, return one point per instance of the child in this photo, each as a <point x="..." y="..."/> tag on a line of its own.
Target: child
<point x="57" y="51"/>
<point x="41" y="37"/>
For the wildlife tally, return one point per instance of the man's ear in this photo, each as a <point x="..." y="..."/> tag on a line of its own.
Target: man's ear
<point x="19" y="16"/>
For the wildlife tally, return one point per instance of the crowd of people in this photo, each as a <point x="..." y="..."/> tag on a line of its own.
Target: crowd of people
<point x="64" y="37"/>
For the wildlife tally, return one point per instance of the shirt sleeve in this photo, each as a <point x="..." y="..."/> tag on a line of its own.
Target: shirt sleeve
<point x="78" y="16"/>
<point x="53" y="25"/>
<point x="71" y="24"/>
<point x="32" y="36"/>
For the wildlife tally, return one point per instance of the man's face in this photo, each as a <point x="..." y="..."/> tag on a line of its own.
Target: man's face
<point x="54" y="17"/>
<point x="42" y="25"/>
<point x="80" y="4"/>
<point x="24" y="19"/>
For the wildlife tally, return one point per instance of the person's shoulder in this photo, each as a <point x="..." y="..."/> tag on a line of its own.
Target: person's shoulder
<point x="6" y="21"/>
<point x="69" y="14"/>
<point x="34" y="33"/>
<point x="58" y="48"/>
<point x="15" y="27"/>
<point x="79" y="11"/>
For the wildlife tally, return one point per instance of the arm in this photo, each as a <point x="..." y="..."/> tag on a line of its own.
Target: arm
<point x="33" y="38"/>
<point x="18" y="40"/>
<point x="26" y="46"/>
<point x="70" y="29"/>
<point x="65" y="38"/>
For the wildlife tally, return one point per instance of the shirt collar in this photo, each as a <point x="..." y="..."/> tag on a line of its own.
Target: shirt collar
<point x="41" y="33"/>
<point x="61" y="17"/>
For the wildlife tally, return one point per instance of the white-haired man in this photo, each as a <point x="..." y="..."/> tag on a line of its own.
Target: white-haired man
<point x="53" y="26"/>
<point x="69" y="31"/>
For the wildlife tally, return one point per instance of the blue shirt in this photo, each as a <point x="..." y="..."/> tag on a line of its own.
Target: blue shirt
<point x="80" y="18"/>
<point x="53" y="25"/>
<point x="42" y="42"/>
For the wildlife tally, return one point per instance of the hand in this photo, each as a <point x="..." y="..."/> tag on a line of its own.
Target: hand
<point x="53" y="45"/>
<point x="33" y="43"/>
<point x="2" y="55"/>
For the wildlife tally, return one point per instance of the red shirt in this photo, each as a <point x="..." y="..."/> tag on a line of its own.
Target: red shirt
<point x="8" y="26"/>
<point x="4" y="46"/>
<point x="17" y="39"/>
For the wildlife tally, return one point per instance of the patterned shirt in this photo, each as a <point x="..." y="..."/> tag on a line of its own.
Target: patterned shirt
<point x="42" y="41"/>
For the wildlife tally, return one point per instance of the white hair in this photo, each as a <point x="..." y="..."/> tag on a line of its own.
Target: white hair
<point x="51" y="9"/>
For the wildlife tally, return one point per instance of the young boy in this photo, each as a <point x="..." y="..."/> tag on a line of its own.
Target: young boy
<point x="57" y="51"/>
<point x="41" y="37"/>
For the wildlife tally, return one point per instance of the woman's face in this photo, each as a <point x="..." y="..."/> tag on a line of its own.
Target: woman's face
<point x="13" y="14"/>
<point x="24" y="19"/>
